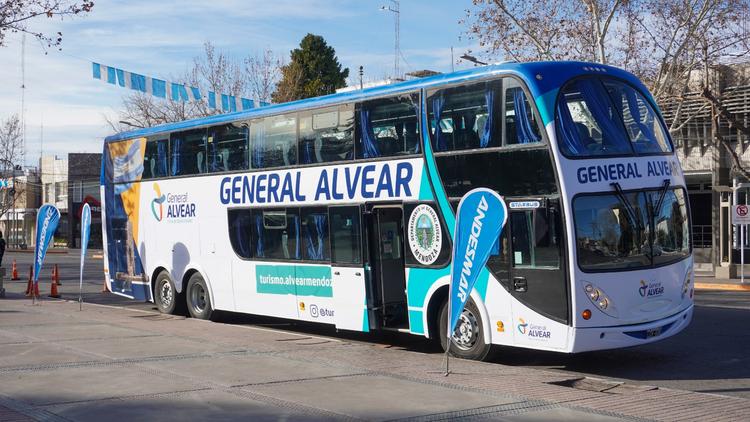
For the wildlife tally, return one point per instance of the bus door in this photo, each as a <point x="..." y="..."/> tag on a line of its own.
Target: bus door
<point x="534" y="239"/>
<point x="347" y="268"/>
<point x="386" y="245"/>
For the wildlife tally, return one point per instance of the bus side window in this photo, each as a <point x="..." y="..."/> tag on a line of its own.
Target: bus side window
<point x="155" y="162"/>
<point x="346" y="241"/>
<point x="276" y="234"/>
<point x="315" y="234"/>
<point x="228" y="147"/>
<point x="388" y="127"/>
<point x="188" y="152"/>
<point x="520" y="123"/>
<point x="240" y="224"/>
<point x="326" y="135"/>
<point x="273" y="141"/>
<point x="535" y="238"/>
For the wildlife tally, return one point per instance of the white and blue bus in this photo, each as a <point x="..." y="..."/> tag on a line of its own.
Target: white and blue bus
<point x="341" y="210"/>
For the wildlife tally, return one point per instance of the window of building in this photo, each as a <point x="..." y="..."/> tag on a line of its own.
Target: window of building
<point x="273" y="141"/>
<point x="228" y="147"/>
<point x="61" y="191"/>
<point x="315" y="246"/>
<point x="464" y="117"/>
<point x="155" y="163"/>
<point x="76" y="190"/>
<point x="346" y="240"/>
<point x="388" y="127"/>
<point x="521" y="126"/>
<point x="276" y="234"/>
<point x="326" y="135"/>
<point x="188" y="152"/>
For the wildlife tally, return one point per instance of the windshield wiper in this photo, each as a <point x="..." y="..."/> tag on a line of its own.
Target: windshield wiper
<point x="662" y="194"/>
<point x="629" y="211"/>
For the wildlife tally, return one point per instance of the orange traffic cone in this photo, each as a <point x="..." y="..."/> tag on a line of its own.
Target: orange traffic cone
<point x="56" y="275"/>
<point x="30" y="286"/>
<point x="53" y="290"/>
<point x="14" y="271"/>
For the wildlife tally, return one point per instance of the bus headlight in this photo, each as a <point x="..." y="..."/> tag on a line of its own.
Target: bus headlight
<point x="686" y="283"/>
<point x="600" y="299"/>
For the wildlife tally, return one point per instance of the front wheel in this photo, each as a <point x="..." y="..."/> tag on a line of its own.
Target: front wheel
<point x="198" y="299"/>
<point x="468" y="337"/>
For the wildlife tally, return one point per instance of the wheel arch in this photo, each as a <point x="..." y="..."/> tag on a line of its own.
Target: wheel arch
<point x="189" y="273"/>
<point x="438" y="293"/>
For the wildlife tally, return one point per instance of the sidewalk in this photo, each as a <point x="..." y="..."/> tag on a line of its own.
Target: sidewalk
<point x="725" y="284"/>
<point x="57" y="363"/>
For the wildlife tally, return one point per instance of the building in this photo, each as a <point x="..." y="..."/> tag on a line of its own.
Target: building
<point x="18" y="222"/>
<point x="54" y="178"/>
<point x="710" y="171"/>
<point x="83" y="188"/>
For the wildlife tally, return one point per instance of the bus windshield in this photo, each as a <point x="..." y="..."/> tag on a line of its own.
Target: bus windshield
<point x="610" y="237"/>
<point x="605" y="117"/>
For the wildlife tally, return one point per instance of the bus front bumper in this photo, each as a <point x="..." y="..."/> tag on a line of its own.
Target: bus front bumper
<point x="603" y="338"/>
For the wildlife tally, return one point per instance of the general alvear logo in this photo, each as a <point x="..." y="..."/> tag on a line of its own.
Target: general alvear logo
<point x="425" y="234"/>
<point x="157" y="205"/>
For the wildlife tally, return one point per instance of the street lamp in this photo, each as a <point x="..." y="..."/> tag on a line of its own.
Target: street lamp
<point x="131" y="124"/>
<point x="396" y="9"/>
<point x="473" y="60"/>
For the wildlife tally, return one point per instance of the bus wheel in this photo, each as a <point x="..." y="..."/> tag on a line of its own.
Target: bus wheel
<point x="468" y="337"/>
<point x="165" y="295"/>
<point x="198" y="300"/>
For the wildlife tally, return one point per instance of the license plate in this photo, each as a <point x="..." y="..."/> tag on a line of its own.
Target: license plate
<point x="653" y="332"/>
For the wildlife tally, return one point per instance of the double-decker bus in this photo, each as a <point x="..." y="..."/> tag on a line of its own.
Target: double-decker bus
<point x="341" y="210"/>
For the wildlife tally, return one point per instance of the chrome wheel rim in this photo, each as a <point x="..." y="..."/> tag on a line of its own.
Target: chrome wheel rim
<point x="467" y="331"/>
<point x="166" y="295"/>
<point x="198" y="298"/>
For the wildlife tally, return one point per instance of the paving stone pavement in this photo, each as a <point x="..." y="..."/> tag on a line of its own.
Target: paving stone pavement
<point x="57" y="363"/>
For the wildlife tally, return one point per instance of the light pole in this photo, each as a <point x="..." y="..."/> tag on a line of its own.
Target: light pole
<point x="123" y="122"/>
<point x="473" y="60"/>
<point x="396" y="9"/>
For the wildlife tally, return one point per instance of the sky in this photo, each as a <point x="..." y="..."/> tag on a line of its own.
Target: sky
<point x="66" y="108"/>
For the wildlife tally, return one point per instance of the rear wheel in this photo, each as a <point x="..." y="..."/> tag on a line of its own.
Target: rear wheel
<point x="198" y="299"/>
<point x="468" y="337"/>
<point x="165" y="295"/>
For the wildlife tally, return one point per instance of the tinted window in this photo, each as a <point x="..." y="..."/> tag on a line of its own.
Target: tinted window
<point x="240" y="232"/>
<point x="521" y="126"/>
<point x="641" y="121"/>
<point x="326" y="135"/>
<point x="509" y="172"/>
<point x="315" y="234"/>
<point x="346" y="239"/>
<point x="155" y="163"/>
<point x="609" y="236"/>
<point x="535" y="238"/>
<point x="276" y="234"/>
<point x="465" y="117"/>
<point x="597" y="117"/>
<point x="273" y="141"/>
<point x="228" y="148"/>
<point x="188" y="152"/>
<point x="388" y="127"/>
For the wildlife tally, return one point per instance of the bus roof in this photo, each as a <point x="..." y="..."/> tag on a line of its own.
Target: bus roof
<point x="561" y="72"/>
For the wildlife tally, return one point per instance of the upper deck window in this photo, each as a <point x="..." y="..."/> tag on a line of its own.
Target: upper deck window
<point x="600" y="117"/>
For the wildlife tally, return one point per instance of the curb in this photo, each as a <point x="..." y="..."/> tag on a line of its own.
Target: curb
<point x="723" y="286"/>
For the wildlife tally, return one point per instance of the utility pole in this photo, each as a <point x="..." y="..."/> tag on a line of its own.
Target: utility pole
<point x="361" y="73"/>
<point x="396" y="10"/>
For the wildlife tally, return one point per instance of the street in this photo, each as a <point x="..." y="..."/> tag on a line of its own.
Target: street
<point x="716" y="364"/>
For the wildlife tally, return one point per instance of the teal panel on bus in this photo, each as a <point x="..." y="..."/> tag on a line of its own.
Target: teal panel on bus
<point x="416" y="324"/>
<point x="546" y="105"/>
<point x="365" y="321"/>
<point x="425" y="191"/>
<point x="420" y="281"/>
<point x="294" y="279"/>
<point x="481" y="284"/>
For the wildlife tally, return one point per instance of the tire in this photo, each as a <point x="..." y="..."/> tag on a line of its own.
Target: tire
<point x="166" y="297"/>
<point x="197" y="298"/>
<point x="471" y="343"/>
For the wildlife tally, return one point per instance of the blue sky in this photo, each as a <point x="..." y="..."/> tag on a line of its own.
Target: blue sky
<point x="161" y="38"/>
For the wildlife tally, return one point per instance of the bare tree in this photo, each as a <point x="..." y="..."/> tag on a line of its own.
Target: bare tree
<point x="666" y="43"/>
<point x="11" y="153"/>
<point x="263" y="72"/>
<point x="212" y="71"/>
<point x="16" y="14"/>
